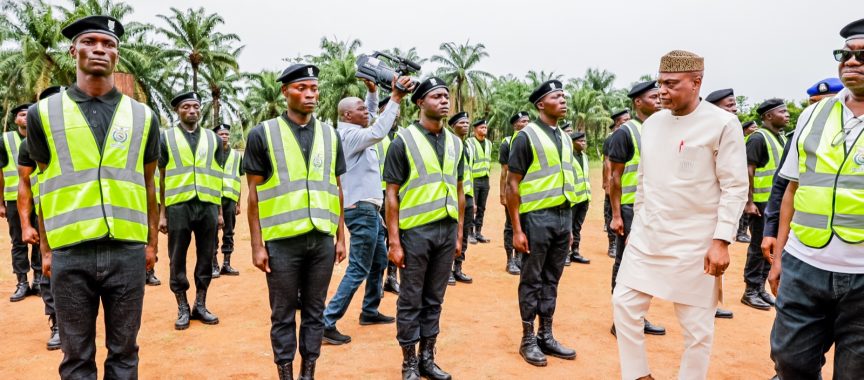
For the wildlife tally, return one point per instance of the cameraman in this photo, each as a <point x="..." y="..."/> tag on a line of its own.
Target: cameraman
<point x="363" y="201"/>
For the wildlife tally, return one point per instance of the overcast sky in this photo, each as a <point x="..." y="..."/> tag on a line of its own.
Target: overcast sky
<point x="762" y="48"/>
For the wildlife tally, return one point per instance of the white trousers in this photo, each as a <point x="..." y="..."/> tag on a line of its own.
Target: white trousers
<point x="629" y="309"/>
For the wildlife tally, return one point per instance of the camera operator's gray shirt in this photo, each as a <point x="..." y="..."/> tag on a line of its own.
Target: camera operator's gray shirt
<point x="362" y="180"/>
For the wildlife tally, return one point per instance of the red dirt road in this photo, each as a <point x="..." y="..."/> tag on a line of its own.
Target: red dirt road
<point x="480" y="324"/>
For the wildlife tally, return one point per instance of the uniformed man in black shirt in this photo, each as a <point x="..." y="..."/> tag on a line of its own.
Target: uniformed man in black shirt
<point x="482" y="151"/>
<point x="425" y="252"/>
<point x="230" y="208"/>
<point x="105" y="271"/>
<point x="514" y="259"/>
<point x="21" y="263"/>
<point x="299" y="267"/>
<point x="760" y="151"/>
<point x="459" y="123"/>
<point x="618" y="119"/>
<point x="645" y="98"/>
<point x="193" y="216"/>
<point x="542" y="235"/>
<point x="580" y="210"/>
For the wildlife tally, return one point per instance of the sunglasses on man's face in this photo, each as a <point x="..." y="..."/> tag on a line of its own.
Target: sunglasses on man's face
<point x="843" y="55"/>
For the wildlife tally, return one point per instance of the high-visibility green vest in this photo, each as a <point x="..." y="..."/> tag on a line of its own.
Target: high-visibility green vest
<point x="299" y="196"/>
<point x="10" y="171"/>
<point x="430" y="193"/>
<point x="189" y="175"/>
<point x="381" y="148"/>
<point x="630" y="178"/>
<point x="467" y="181"/>
<point x="231" y="179"/>
<point x="158" y="183"/>
<point x="830" y="196"/>
<point x="87" y="194"/>
<point x="549" y="181"/>
<point x="482" y="157"/>
<point x="763" y="180"/>
<point x="583" y="181"/>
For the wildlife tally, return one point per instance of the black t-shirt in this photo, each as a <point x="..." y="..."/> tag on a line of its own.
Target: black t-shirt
<point x="223" y="158"/>
<point x="757" y="149"/>
<point x="620" y="147"/>
<point x="192" y="139"/>
<point x="396" y="166"/>
<point x="606" y="141"/>
<point x="98" y="112"/>
<point x="4" y="157"/>
<point x="503" y="152"/>
<point x="578" y="158"/>
<point x="24" y="155"/>
<point x="521" y="155"/>
<point x="257" y="158"/>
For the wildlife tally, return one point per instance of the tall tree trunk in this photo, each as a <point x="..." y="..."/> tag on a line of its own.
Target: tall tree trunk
<point x="194" y="77"/>
<point x="216" y="113"/>
<point x="459" y="95"/>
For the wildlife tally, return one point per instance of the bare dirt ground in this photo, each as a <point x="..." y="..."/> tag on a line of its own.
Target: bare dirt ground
<point x="480" y="324"/>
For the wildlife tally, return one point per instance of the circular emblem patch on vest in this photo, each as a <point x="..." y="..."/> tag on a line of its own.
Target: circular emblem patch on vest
<point x="318" y="160"/>
<point x="859" y="158"/>
<point x="120" y="135"/>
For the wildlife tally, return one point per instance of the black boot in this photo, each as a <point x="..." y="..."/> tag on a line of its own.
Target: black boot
<point x="390" y="283"/>
<point x="567" y="261"/>
<point x="37" y="281"/>
<point x="21" y="289"/>
<point x="182" y="322"/>
<point x="307" y="370"/>
<point x="151" y="278"/>
<point x="54" y="339"/>
<point x="285" y="371"/>
<point x="481" y="238"/>
<point x="612" y="247"/>
<point x="200" y="312"/>
<point x="751" y="298"/>
<point x="215" y="271"/>
<point x="460" y="276"/>
<point x="528" y="348"/>
<point x="512" y="267"/>
<point x="451" y="280"/>
<point x="767" y="297"/>
<point x="409" y="363"/>
<point x="549" y="345"/>
<point x="577" y="258"/>
<point x="428" y="368"/>
<point x="226" y="267"/>
<point x="723" y="313"/>
<point x="652" y="329"/>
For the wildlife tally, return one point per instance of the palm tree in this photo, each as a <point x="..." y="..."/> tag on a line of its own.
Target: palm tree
<point x="535" y="79"/>
<point x="264" y="98"/>
<point x="195" y="41"/>
<point x="458" y="68"/>
<point x="221" y="83"/>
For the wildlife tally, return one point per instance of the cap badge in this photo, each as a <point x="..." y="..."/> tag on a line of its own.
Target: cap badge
<point x="433" y="81"/>
<point x="111" y="25"/>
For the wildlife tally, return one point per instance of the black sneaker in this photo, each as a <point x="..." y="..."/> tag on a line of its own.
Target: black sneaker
<point x="334" y="337"/>
<point x="377" y="319"/>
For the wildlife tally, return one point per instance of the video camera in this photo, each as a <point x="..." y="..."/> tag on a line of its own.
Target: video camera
<point x="373" y="68"/>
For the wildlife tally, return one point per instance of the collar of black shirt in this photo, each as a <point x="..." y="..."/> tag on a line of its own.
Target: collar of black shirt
<point x="294" y="125"/>
<point x="426" y="131"/>
<point x="77" y="95"/>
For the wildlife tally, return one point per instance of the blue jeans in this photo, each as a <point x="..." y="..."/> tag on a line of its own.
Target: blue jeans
<point x="367" y="260"/>
<point x="817" y="309"/>
<point x="110" y="272"/>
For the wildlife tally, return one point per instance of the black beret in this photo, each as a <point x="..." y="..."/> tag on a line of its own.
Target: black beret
<point x="517" y="116"/>
<point x="719" y="95"/>
<point x="455" y="118"/>
<point x="298" y="72"/>
<point x="769" y="105"/>
<point x="19" y="108"/>
<point x="383" y="102"/>
<point x="479" y="122"/>
<point x="577" y="135"/>
<point x="566" y="125"/>
<point x="50" y="91"/>
<point x="748" y="124"/>
<point x="544" y="89"/>
<point x="619" y="113"/>
<point x="221" y="127"/>
<point x="641" y="88"/>
<point x="427" y="86"/>
<point x="854" y="30"/>
<point x="184" y="97"/>
<point x="94" y="24"/>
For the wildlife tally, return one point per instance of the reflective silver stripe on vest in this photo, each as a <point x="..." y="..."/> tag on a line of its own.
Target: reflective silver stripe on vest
<point x="423" y="208"/>
<point x="545" y="169"/>
<point x="190" y="169"/>
<point x="807" y="219"/>
<point x="294" y="215"/>
<point x="423" y="177"/>
<point x="541" y="195"/>
<point x="762" y="190"/>
<point x="286" y="185"/>
<point x="775" y="155"/>
<point x="634" y="134"/>
<point x="765" y="173"/>
<point x="187" y="188"/>
<point x="94" y="212"/>
<point x="13" y="150"/>
<point x="811" y="142"/>
<point x="628" y="189"/>
<point x="848" y="221"/>
<point x="181" y="168"/>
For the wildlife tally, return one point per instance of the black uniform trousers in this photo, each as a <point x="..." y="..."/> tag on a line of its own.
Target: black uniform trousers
<point x="607" y="217"/>
<point x="548" y="233"/>
<point x="20" y="261"/>
<point x="184" y="219"/>
<point x="467" y="225"/>
<point x="302" y="263"/>
<point x="508" y="240"/>
<point x="229" y="218"/>
<point x="756" y="268"/>
<point x="627" y="216"/>
<point x="580" y="210"/>
<point x="47" y="296"/>
<point x="481" y="194"/>
<point x="429" y="251"/>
